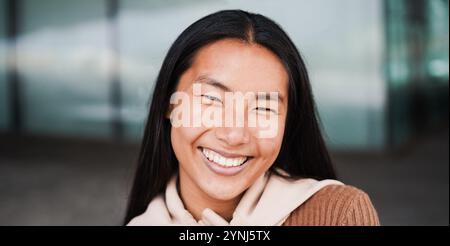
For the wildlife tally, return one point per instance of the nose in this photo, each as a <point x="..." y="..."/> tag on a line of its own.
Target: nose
<point x="234" y="130"/>
<point x="233" y="136"/>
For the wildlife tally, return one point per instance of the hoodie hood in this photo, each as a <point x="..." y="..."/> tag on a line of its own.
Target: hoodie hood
<point x="268" y="202"/>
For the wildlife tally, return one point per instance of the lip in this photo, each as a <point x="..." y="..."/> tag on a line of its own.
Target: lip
<point x="221" y="170"/>
<point x="226" y="154"/>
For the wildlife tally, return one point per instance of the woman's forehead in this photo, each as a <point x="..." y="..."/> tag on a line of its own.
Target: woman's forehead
<point x="240" y="66"/>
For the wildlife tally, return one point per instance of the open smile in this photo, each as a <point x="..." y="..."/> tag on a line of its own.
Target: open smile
<point x="224" y="163"/>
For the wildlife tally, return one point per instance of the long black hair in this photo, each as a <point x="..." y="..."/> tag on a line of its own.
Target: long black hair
<point x="303" y="152"/>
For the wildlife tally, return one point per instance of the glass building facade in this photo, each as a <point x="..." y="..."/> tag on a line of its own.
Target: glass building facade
<point x="417" y="51"/>
<point x="379" y="69"/>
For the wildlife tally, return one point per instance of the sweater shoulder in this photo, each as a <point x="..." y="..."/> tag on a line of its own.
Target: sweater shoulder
<point x="335" y="205"/>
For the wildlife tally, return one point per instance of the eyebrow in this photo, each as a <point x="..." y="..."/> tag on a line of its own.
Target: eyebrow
<point x="213" y="82"/>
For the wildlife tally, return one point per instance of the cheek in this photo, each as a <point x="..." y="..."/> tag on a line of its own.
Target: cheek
<point x="269" y="148"/>
<point x="183" y="139"/>
<point x="270" y="137"/>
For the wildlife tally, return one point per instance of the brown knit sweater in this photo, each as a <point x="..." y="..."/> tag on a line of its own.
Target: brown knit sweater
<point x="335" y="205"/>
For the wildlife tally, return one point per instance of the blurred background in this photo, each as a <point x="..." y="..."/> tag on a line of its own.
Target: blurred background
<point x="76" y="78"/>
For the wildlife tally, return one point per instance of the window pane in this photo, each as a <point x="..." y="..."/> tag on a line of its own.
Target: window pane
<point x="4" y="113"/>
<point x="63" y="62"/>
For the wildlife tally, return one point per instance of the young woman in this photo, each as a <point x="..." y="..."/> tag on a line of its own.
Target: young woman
<point x="220" y="174"/>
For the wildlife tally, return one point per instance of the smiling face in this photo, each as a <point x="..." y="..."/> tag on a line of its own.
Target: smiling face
<point x="222" y="162"/>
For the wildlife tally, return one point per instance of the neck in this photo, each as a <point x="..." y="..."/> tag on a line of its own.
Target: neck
<point x="195" y="200"/>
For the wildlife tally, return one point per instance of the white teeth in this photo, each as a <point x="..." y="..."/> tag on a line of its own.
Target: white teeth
<point x="223" y="161"/>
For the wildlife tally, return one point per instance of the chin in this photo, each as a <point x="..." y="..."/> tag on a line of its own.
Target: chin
<point x="223" y="193"/>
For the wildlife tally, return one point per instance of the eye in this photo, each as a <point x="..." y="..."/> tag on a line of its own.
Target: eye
<point x="266" y="110"/>
<point x="210" y="99"/>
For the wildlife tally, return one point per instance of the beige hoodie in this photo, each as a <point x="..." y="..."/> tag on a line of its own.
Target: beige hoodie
<point x="268" y="202"/>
